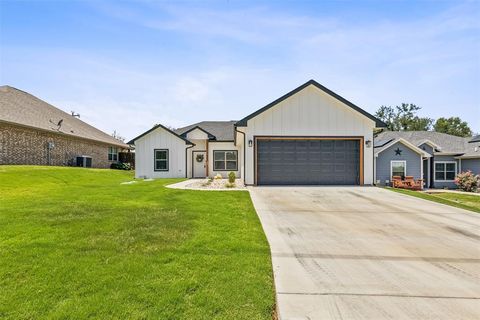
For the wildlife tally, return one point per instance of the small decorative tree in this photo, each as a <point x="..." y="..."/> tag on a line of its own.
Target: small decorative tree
<point x="467" y="181"/>
<point x="231" y="177"/>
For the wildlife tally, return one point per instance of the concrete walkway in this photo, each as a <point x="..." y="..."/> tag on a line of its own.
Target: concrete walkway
<point x="369" y="253"/>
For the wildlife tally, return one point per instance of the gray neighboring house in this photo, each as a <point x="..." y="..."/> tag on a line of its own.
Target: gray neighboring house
<point x="435" y="157"/>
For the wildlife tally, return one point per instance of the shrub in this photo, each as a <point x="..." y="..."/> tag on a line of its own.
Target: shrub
<point x="231" y="177"/>
<point x="230" y="185"/>
<point x="467" y="181"/>
<point x="121" y="166"/>
<point x="217" y="176"/>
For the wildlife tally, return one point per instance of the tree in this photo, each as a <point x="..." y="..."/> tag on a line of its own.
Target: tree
<point x="403" y="118"/>
<point x="454" y="126"/>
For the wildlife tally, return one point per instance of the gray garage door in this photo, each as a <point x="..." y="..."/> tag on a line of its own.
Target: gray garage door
<point x="308" y="162"/>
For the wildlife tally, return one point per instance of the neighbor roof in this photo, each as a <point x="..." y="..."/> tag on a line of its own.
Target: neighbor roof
<point x="21" y="108"/>
<point x="220" y="130"/>
<point x="475" y="139"/>
<point x="447" y="142"/>
<point x="405" y="143"/>
<point x="378" y="122"/>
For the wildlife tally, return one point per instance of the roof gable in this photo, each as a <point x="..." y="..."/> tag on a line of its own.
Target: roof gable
<point x="378" y="123"/>
<point x="218" y="130"/>
<point x="209" y="135"/>
<point x="405" y="143"/>
<point x="164" y="128"/>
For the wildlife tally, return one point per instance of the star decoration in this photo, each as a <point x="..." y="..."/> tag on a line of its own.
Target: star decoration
<point x="398" y="152"/>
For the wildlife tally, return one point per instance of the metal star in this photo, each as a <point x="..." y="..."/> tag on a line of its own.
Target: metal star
<point x="398" y="152"/>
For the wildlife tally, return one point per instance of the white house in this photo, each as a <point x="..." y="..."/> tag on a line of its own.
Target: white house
<point x="308" y="136"/>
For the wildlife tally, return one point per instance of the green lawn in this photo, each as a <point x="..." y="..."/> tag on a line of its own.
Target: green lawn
<point x="76" y="244"/>
<point x="459" y="200"/>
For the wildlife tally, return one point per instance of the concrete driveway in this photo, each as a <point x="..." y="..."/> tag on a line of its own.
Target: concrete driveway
<point x="369" y="253"/>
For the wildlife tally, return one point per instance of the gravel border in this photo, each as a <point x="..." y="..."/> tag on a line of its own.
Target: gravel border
<point x="207" y="184"/>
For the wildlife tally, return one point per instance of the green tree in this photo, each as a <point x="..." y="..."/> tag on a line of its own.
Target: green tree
<point x="453" y="125"/>
<point x="403" y="118"/>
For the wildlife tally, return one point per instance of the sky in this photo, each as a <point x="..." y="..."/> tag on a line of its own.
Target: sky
<point x="128" y="65"/>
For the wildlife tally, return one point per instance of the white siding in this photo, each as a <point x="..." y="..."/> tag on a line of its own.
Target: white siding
<point x="197" y="134"/>
<point x="200" y="145"/>
<point x="310" y="112"/>
<point x="144" y="155"/>
<point x="224" y="146"/>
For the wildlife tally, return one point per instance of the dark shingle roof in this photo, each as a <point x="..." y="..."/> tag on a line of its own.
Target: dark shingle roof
<point x="221" y="130"/>
<point x="475" y="139"/>
<point x="22" y="108"/>
<point x="447" y="142"/>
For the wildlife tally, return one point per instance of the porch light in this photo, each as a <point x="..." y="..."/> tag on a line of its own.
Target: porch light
<point x="368" y="143"/>
<point x="250" y="142"/>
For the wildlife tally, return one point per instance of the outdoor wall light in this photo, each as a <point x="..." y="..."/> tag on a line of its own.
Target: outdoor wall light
<point x="368" y="143"/>
<point x="250" y="142"/>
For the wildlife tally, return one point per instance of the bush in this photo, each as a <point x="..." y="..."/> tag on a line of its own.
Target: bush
<point x="218" y="176"/>
<point x="121" y="166"/>
<point x="467" y="181"/>
<point x="230" y="185"/>
<point x="231" y="177"/>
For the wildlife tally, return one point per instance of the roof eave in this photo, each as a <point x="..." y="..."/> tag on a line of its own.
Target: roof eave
<point x="132" y="142"/>
<point x="414" y="148"/>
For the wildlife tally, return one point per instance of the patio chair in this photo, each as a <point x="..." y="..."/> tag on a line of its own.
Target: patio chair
<point x="411" y="183"/>
<point x="397" y="182"/>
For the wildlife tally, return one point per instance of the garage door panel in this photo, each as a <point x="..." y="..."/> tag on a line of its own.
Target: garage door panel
<point x="292" y="161"/>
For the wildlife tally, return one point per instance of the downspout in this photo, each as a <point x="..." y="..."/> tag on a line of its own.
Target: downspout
<point x="374" y="159"/>
<point x="186" y="160"/>
<point x="244" y="151"/>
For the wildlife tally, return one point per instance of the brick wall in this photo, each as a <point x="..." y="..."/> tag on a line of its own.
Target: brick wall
<point x="20" y="145"/>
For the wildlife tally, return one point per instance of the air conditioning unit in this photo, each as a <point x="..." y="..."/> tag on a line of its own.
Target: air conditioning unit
<point x="84" y="161"/>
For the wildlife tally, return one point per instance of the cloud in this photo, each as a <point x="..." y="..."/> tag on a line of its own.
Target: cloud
<point x="216" y="63"/>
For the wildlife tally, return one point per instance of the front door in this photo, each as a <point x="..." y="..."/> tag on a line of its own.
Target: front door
<point x="426" y="183"/>
<point x="199" y="164"/>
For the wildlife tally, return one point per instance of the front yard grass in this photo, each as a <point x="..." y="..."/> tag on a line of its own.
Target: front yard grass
<point x="75" y="243"/>
<point x="459" y="200"/>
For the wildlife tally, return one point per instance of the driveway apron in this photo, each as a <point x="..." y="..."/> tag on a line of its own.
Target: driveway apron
<point x="369" y="253"/>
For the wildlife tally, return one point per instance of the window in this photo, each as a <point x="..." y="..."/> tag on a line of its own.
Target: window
<point x="398" y="168"/>
<point x="225" y="160"/>
<point x="445" y="170"/>
<point x="161" y="159"/>
<point x="112" y="154"/>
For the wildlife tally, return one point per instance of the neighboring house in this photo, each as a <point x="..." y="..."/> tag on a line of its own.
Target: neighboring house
<point x="432" y="156"/>
<point x="34" y="132"/>
<point x="308" y="136"/>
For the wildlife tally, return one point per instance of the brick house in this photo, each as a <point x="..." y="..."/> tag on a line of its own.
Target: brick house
<point x="33" y="132"/>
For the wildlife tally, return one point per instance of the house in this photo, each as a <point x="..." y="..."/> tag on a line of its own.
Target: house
<point x="310" y="135"/>
<point x="432" y="156"/>
<point x="33" y="132"/>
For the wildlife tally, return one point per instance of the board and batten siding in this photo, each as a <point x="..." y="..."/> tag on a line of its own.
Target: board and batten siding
<point x="226" y="146"/>
<point x="313" y="113"/>
<point x="471" y="164"/>
<point x="383" y="162"/>
<point x="144" y="154"/>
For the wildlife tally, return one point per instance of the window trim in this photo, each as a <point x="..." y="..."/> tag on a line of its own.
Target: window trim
<point x="444" y="170"/>
<point x="155" y="160"/>
<point x="391" y="167"/>
<point x="109" y="154"/>
<point x="225" y="161"/>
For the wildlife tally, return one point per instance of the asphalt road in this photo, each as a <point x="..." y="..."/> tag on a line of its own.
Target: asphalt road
<point x="369" y="253"/>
